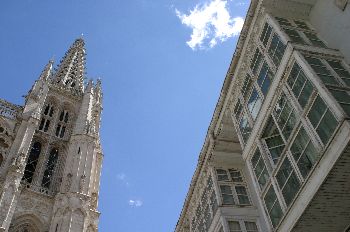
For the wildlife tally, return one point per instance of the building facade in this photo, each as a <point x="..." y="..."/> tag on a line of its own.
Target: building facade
<point x="50" y="152"/>
<point x="277" y="156"/>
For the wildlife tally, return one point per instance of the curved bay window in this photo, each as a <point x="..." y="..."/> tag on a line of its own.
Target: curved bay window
<point x="46" y="118"/>
<point x="32" y="162"/>
<point x="62" y="124"/>
<point x="50" y="167"/>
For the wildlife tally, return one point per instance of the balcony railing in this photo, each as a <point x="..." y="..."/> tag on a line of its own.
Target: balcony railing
<point x="9" y="110"/>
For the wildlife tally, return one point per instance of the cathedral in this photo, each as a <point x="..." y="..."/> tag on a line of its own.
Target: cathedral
<point x="50" y="151"/>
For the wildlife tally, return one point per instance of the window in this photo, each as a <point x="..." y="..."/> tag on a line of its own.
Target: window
<point x="314" y="39"/>
<point x="236" y="176"/>
<point x="232" y="187"/>
<point x="304" y="152"/>
<point x="273" y="140"/>
<point x="222" y="175"/>
<point x="264" y="79"/>
<point x="251" y="226"/>
<point x="227" y="195"/>
<point x="254" y="103"/>
<point x="62" y="124"/>
<point x="50" y="167"/>
<point x="46" y="118"/>
<point x="238" y="110"/>
<point x="294" y="36"/>
<point x="283" y="22"/>
<point x="300" y="85"/>
<point x="242" y="195"/>
<point x="302" y="25"/>
<point x="321" y="70"/>
<point x="265" y="35"/>
<point x="257" y="59"/>
<point x="32" y="161"/>
<point x="205" y="208"/>
<point x="276" y="50"/>
<point x="245" y="127"/>
<point x="343" y="98"/>
<point x="285" y="116"/>
<point x="273" y="207"/>
<point x="322" y="119"/>
<point x="339" y="68"/>
<point x="234" y="226"/>
<point x="246" y="86"/>
<point x="259" y="168"/>
<point x="287" y="181"/>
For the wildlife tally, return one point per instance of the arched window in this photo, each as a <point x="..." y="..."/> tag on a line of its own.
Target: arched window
<point x="46" y="118"/>
<point x="62" y="124"/>
<point x="50" y="167"/>
<point x="32" y="162"/>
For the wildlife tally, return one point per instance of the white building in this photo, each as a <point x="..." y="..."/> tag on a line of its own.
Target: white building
<point x="276" y="156"/>
<point x="50" y="152"/>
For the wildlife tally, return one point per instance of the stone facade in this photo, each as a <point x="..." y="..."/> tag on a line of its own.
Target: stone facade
<point x="276" y="156"/>
<point x="50" y="152"/>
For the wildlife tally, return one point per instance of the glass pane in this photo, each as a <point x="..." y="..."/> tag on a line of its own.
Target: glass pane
<point x="294" y="36"/>
<point x="299" y="143"/>
<point x="222" y="175"/>
<point x="238" y="110"/>
<point x="327" y="127"/>
<point x="283" y="21"/>
<point x="276" y="153"/>
<point x="314" y="40"/>
<point x="293" y="75"/>
<point x="251" y="227"/>
<point x="246" y="86"/>
<point x="243" y="200"/>
<point x="307" y="160"/>
<point x="270" y="198"/>
<point x="316" y="112"/>
<point x="291" y="188"/>
<point x="32" y="161"/>
<point x="280" y="105"/>
<point x="306" y="92"/>
<point x="255" y="157"/>
<point x="227" y="199"/>
<point x="264" y="177"/>
<point x="301" y="24"/>
<point x="254" y="104"/>
<point x="265" y="35"/>
<point x="283" y="173"/>
<point x="234" y="226"/>
<point x="236" y="175"/>
<point x="276" y="214"/>
<point x="257" y="59"/>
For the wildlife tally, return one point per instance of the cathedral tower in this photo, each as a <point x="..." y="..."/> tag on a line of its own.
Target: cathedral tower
<point x="50" y="152"/>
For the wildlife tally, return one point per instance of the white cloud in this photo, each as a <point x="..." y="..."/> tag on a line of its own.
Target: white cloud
<point x="135" y="203"/>
<point x="123" y="178"/>
<point x="211" y="23"/>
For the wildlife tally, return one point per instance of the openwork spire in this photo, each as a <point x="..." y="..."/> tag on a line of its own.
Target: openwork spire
<point x="71" y="70"/>
<point x="46" y="73"/>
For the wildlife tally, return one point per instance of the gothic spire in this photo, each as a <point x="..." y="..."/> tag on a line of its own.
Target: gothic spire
<point x="46" y="73"/>
<point x="70" y="72"/>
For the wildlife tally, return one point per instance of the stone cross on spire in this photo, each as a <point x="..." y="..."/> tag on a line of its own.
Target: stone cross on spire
<point x="71" y="70"/>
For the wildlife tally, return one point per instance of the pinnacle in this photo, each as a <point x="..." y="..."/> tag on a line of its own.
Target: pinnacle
<point x="71" y="70"/>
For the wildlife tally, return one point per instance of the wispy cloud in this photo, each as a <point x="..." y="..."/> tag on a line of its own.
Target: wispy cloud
<point x="135" y="203"/>
<point x="123" y="178"/>
<point x="211" y="23"/>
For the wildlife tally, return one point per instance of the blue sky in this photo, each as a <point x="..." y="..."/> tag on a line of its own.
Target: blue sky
<point x="162" y="64"/>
